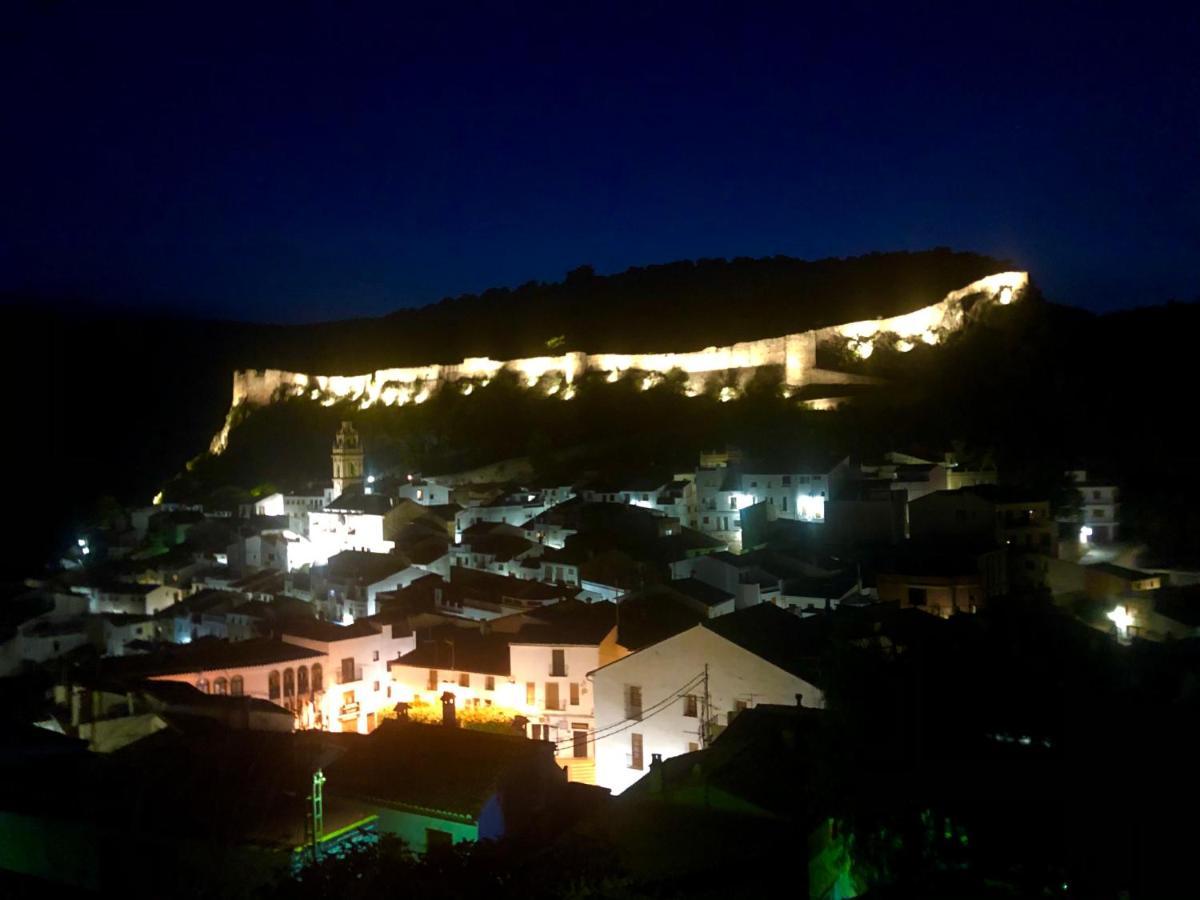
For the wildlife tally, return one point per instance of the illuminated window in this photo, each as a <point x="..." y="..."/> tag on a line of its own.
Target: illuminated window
<point x="690" y="706"/>
<point x="635" y="751"/>
<point x="530" y="693"/>
<point x="221" y="686"/>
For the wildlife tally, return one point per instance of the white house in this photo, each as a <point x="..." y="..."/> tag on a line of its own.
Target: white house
<point x="797" y="491"/>
<point x="284" y="673"/>
<point x="532" y="665"/>
<point x="41" y="639"/>
<point x="357" y="686"/>
<point x="128" y="597"/>
<point x="283" y="550"/>
<point x="674" y="696"/>
<point x="552" y="660"/>
<point x="353" y="522"/>
<point x="346" y="587"/>
<point x="425" y="492"/>
<point x="295" y="506"/>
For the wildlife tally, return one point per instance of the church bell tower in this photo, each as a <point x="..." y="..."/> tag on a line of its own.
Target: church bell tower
<point x="347" y="461"/>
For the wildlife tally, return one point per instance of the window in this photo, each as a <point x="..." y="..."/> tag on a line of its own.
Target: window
<point x="348" y="670"/>
<point x="221" y="686"/>
<point x="785" y="502"/>
<point x="552" y="701"/>
<point x="530" y="693"/>
<point x="202" y="685"/>
<point x="302" y="680"/>
<point x="318" y="681"/>
<point x="289" y="683"/>
<point x="693" y="746"/>
<point x="273" y="686"/>
<point x="574" y="693"/>
<point x="635" y="751"/>
<point x="431" y="681"/>
<point x="376" y="688"/>
<point x="375" y="656"/>
<point x="489" y="683"/>
<point x="464" y="679"/>
<point x="917" y="596"/>
<point x="558" y="662"/>
<point x="633" y="703"/>
<point x="787" y="480"/>
<point x="691" y="706"/>
<point x="237" y="686"/>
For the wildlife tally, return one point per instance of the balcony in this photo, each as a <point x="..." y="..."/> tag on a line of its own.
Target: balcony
<point x="341" y="677"/>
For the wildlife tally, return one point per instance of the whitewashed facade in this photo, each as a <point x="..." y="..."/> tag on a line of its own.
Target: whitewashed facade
<point x="652" y="701"/>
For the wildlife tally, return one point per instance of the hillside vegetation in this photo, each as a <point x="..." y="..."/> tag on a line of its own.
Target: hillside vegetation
<point x="117" y="404"/>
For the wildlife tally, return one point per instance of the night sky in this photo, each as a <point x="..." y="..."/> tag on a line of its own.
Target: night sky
<point x="313" y="161"/>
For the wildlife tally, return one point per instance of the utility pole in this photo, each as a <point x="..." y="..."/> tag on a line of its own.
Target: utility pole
<point x="317" y="813"/>
<point x="704" y="711"/>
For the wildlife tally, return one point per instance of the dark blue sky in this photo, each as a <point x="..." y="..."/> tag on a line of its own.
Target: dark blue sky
<point x="309" y="161"/>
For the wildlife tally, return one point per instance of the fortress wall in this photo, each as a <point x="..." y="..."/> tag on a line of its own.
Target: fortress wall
<point x="794" y="353"/>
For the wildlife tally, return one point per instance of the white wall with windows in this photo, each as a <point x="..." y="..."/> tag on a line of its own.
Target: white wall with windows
<point x="652" y="701"/>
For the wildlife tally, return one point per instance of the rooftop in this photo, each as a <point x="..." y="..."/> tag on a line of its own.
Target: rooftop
<point x="365" y="504"/>
<point x="433" y="767"/>
<point x="1119" y="572"/>
<point x="781" y="638"/>
<point x="454" y="649"/>
<point x="569" y="622"/>
<point x="364" y="566"/>
<point x="205" y="655"/>
<point x="327" y="632"/>
<point x="700" y="591"/>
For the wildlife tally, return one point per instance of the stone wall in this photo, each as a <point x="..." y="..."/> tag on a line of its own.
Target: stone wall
<point x="795" y="354"/>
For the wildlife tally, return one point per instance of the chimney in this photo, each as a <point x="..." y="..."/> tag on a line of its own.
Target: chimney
<point x="799" y="699"/>
<point x="401" y="711"/>
<point x="655" y="760"/>
<point x="449" y="715"/>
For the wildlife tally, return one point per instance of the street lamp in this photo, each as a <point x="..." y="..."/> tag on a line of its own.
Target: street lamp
<point x="1122" y="618"/>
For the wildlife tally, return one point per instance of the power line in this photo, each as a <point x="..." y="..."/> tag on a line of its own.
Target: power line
<point x="648" y="713"/>
<point x="654" y="709"/>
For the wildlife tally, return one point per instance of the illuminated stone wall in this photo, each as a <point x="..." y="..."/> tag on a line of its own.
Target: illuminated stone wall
<point x="794" y="353"/>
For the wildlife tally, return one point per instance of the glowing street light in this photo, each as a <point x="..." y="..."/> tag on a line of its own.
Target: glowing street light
<point x="1085" y="532"/>
<point x="1122" y="618"/>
